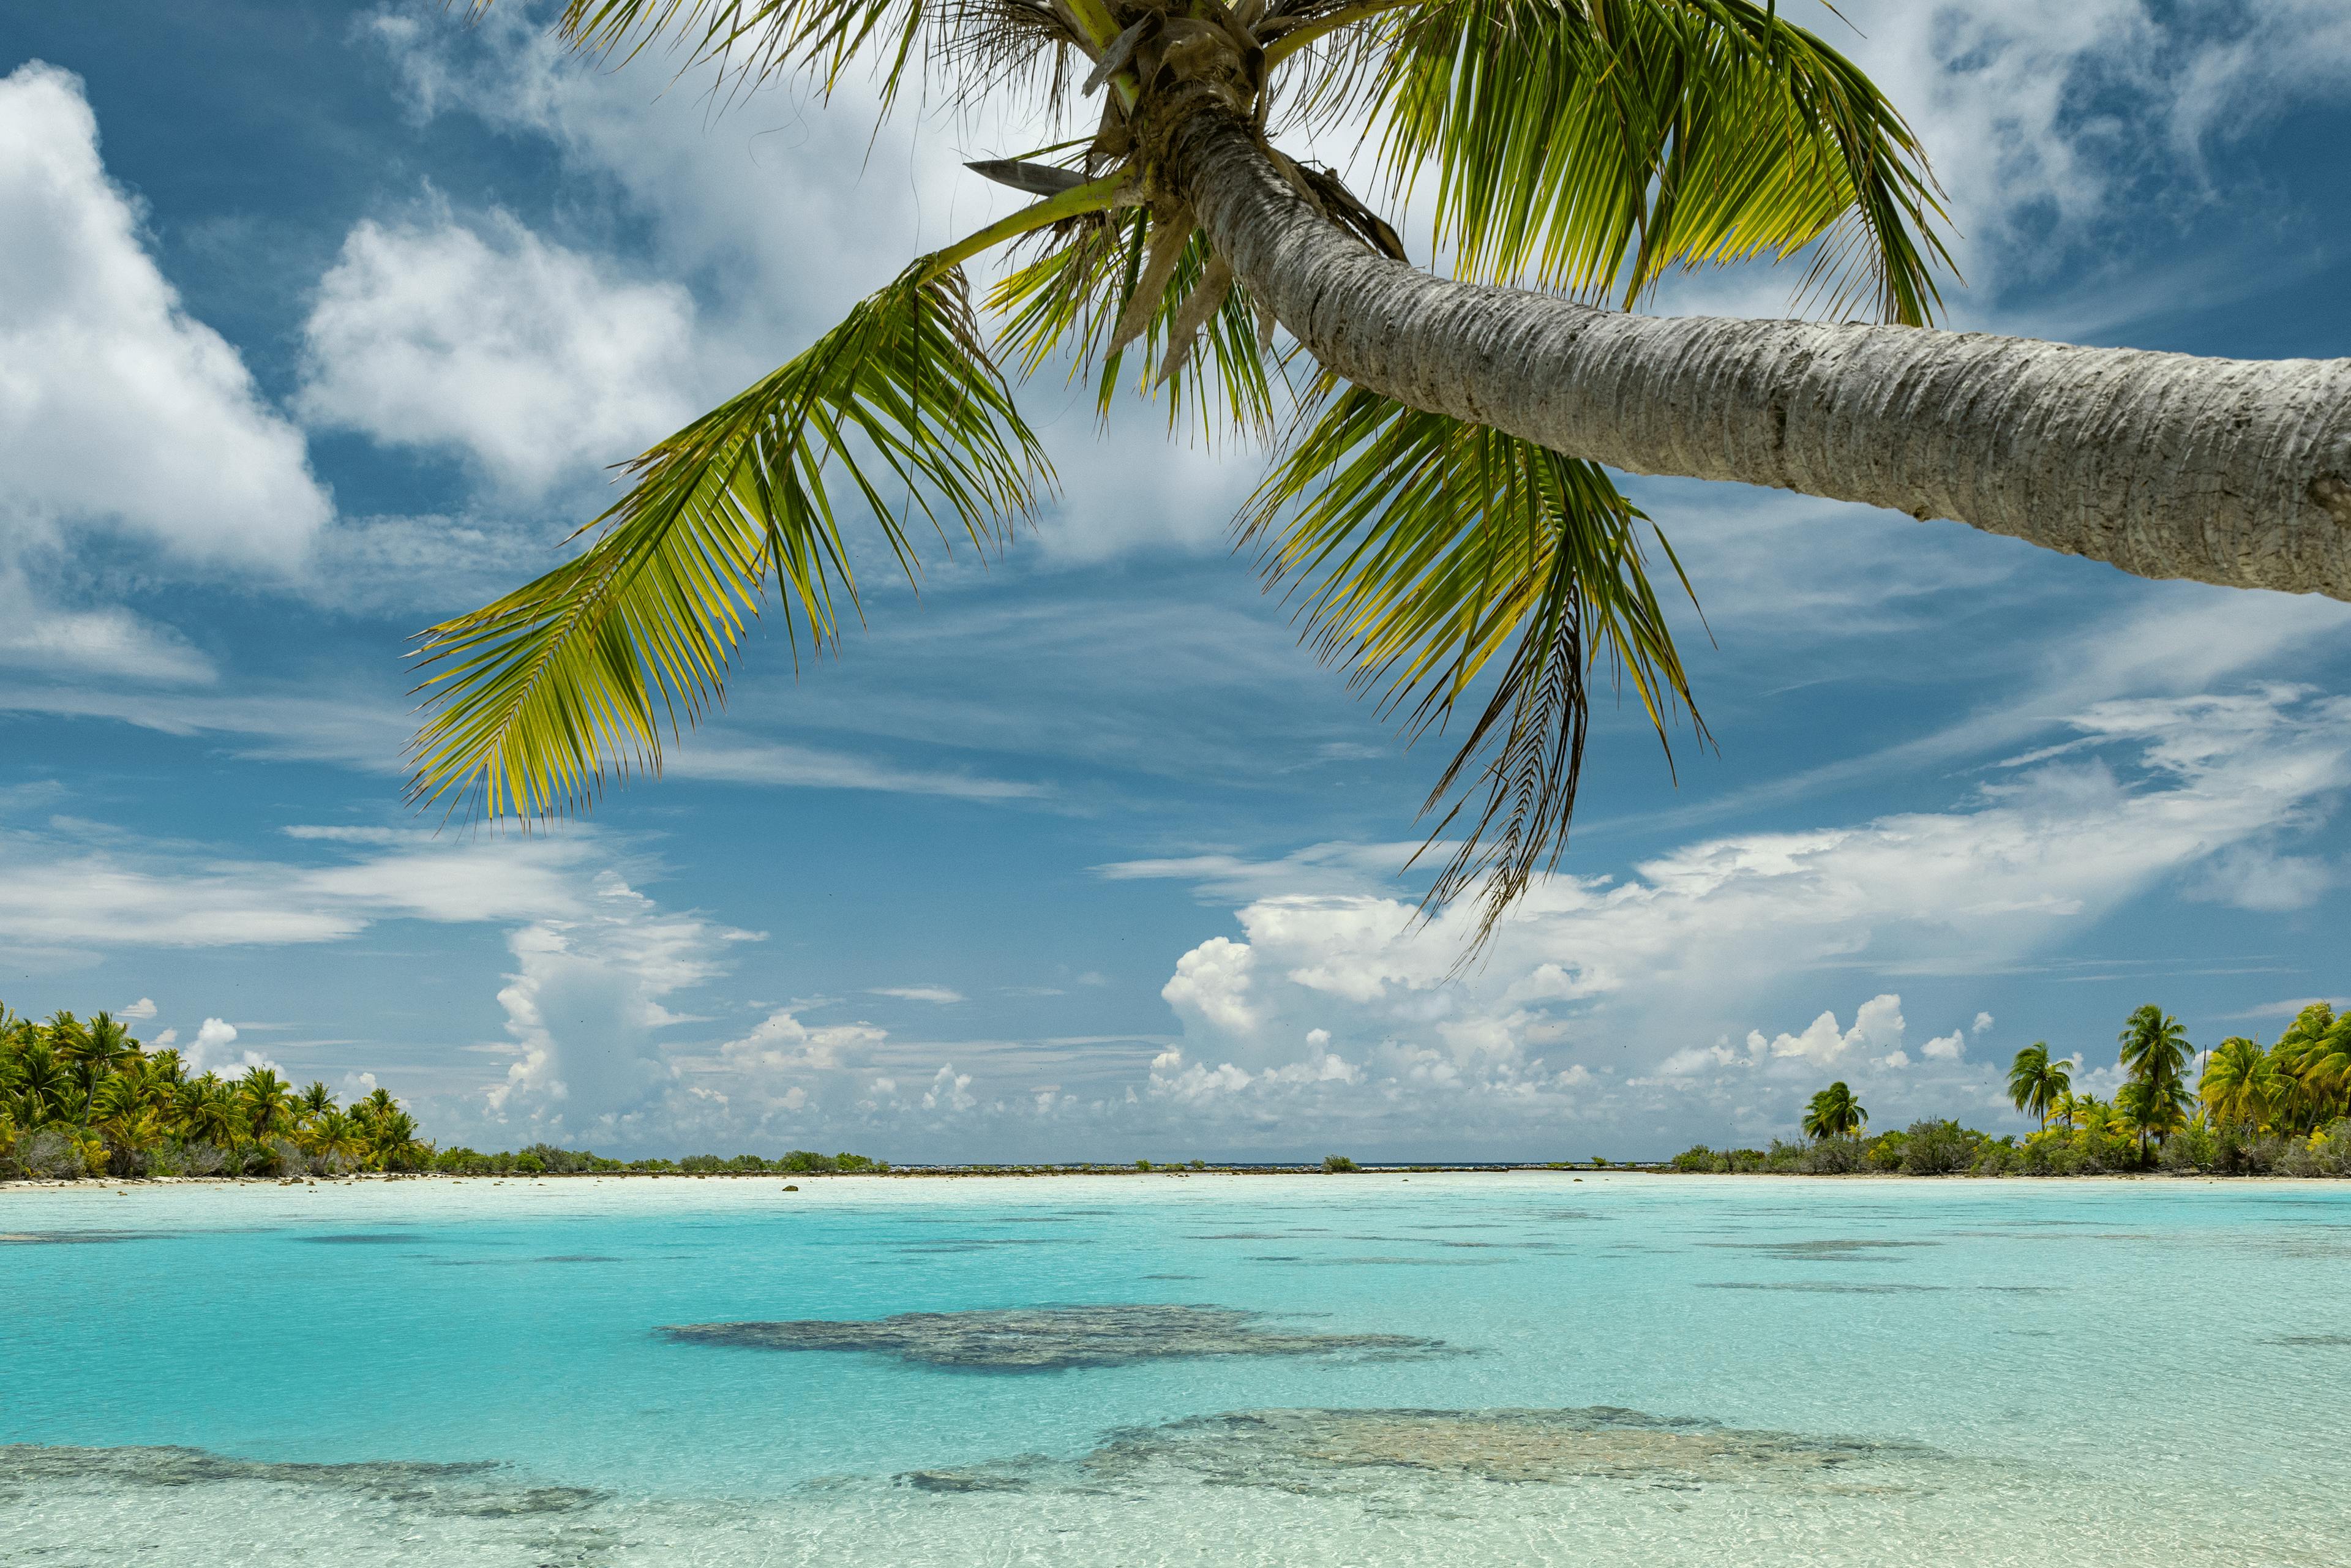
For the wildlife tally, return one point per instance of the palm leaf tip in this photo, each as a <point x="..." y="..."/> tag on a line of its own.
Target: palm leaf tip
<point x="1425" y="547"/>
<point x="534" y="700"/>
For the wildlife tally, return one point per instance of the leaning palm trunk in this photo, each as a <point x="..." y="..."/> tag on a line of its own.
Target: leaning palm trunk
<point x="2226" y="471"/>
<point x="1443" y="508"/>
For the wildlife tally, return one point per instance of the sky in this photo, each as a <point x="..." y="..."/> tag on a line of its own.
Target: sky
<point x="320" y="323"/>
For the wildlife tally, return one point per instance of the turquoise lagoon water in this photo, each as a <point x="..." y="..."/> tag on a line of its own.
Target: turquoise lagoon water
<point x="1616" y="1370"/>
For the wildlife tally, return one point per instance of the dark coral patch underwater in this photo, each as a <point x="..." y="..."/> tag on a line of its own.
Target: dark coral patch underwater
<point x="1370" y="1452"/>
<point x="1047" y="1338"/>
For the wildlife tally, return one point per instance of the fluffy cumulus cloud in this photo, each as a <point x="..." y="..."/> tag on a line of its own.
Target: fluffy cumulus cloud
<point x="585" y="1008"/>
<point x="1620" y="999"/>
<point x="779" y="211"/>
<point x="214" y="1050"/>
<point x="534" y="361"/>
<point x="118" y="409"/>
<point x="121" y="414"/>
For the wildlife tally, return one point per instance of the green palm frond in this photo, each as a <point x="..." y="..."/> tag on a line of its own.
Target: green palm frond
<point x="1425" y="547"/>
<point x="1070" y="300"/>
<point x="539" y="695"/>
<point x="1593" y="144"/>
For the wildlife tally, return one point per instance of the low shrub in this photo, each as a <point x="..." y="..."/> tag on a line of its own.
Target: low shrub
<point x="2325" y="1153"/>
<point x="1938" y="1148"/>
<point x="1333" y="1164"/>
<point x="1998" y="1157"/>
<point x="52" y="1154"/>
<point x="1834" y="1156"/>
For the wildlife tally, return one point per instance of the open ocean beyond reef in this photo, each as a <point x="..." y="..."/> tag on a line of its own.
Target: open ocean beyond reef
<point x="1371" y="1369"/>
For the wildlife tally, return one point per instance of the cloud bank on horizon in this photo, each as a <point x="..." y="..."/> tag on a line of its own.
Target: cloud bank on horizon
<point x="1132" y="866"/>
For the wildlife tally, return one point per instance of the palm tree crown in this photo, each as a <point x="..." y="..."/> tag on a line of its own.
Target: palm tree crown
<point x="2243" y="1085"/>
<point x="1585" y="146"/>
<point x="2037" y="1084"/>
<point x="1834" y="1112"/>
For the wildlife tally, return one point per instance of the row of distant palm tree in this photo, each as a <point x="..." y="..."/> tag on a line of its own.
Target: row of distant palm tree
<point x="2300" y="1084"/>
<point x="82" y="1091"/>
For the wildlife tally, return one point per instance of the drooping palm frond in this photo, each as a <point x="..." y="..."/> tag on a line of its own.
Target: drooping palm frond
<point x="1425" y="546"/>
<point x="1070" y="300"/>
<point x="1593" y="144"/>
<point x="540" y="695"/>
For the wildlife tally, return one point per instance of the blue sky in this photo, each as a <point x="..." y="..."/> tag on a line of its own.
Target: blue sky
<point x="316" y="324"/>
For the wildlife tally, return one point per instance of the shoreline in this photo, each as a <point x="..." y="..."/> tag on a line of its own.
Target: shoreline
<point x="791" y="1183"/>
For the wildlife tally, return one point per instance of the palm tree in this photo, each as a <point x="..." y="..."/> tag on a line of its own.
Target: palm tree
<point x="1834" y="1113"/>
<point x="208" y="1111"/>
<point x="335" y="1136"/>
<point x="2036" y="1083"/>
<point x="393" y="1143"/>
<point x="2315" y="1052"/>
<point x="2156" y="1107"/>
<point x="2241" y="1085"/>
<point x="316" y="1102"/>
<point x="44" y="1085"/>
<point x="1443" y="505"/>
<point x="265" y="1103"/>
<point x="2155" y="1054"/>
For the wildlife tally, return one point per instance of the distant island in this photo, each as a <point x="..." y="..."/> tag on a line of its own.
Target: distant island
<point x="81" y="1098"/>
<point x="2283" y="1110"/>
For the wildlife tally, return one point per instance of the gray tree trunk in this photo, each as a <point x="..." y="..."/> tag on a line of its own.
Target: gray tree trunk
<point x="2226" y="471"/>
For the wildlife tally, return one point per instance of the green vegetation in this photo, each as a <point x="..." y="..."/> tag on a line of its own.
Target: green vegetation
<point x="1834" y="1112"/>
<point x="2036" y="1083"/>
<point x="82" y="1098"/>
<point x="1333" y="1164"/>
<point x="2281" y="1110"/>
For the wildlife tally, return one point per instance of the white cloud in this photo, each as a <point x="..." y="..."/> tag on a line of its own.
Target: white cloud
<point x="75" y="885"/>
<point x="144" y="1007"/>
<point x="1212" y="982"/>
<point x="39" y="633"/>
<point x="214" y="1050"/>
<point x="721" y="761"/>
<point x="535" y="362"/>
<point x="2255" y="877"/>
<point x="1595" y="972"/>
<point x="949" y="1091"/>
<point x="1877" y="1024"/>
<point x="584" y="1008"/>
<point x="1983" y="1023"/>
<point x="118" y="411"/>
<point x="937" y="994"/>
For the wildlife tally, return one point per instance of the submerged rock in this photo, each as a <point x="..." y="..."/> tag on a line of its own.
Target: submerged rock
<point x="1043" y="1339"/>
<point x="470" y="1489"/>
<point x="1370" y="1452"/>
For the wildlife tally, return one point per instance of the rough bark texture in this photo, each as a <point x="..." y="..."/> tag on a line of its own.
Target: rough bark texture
<point x="2226" y="471"/>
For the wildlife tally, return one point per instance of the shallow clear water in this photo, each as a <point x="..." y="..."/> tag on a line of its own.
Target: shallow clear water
<point x="1457" y="1369"/>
